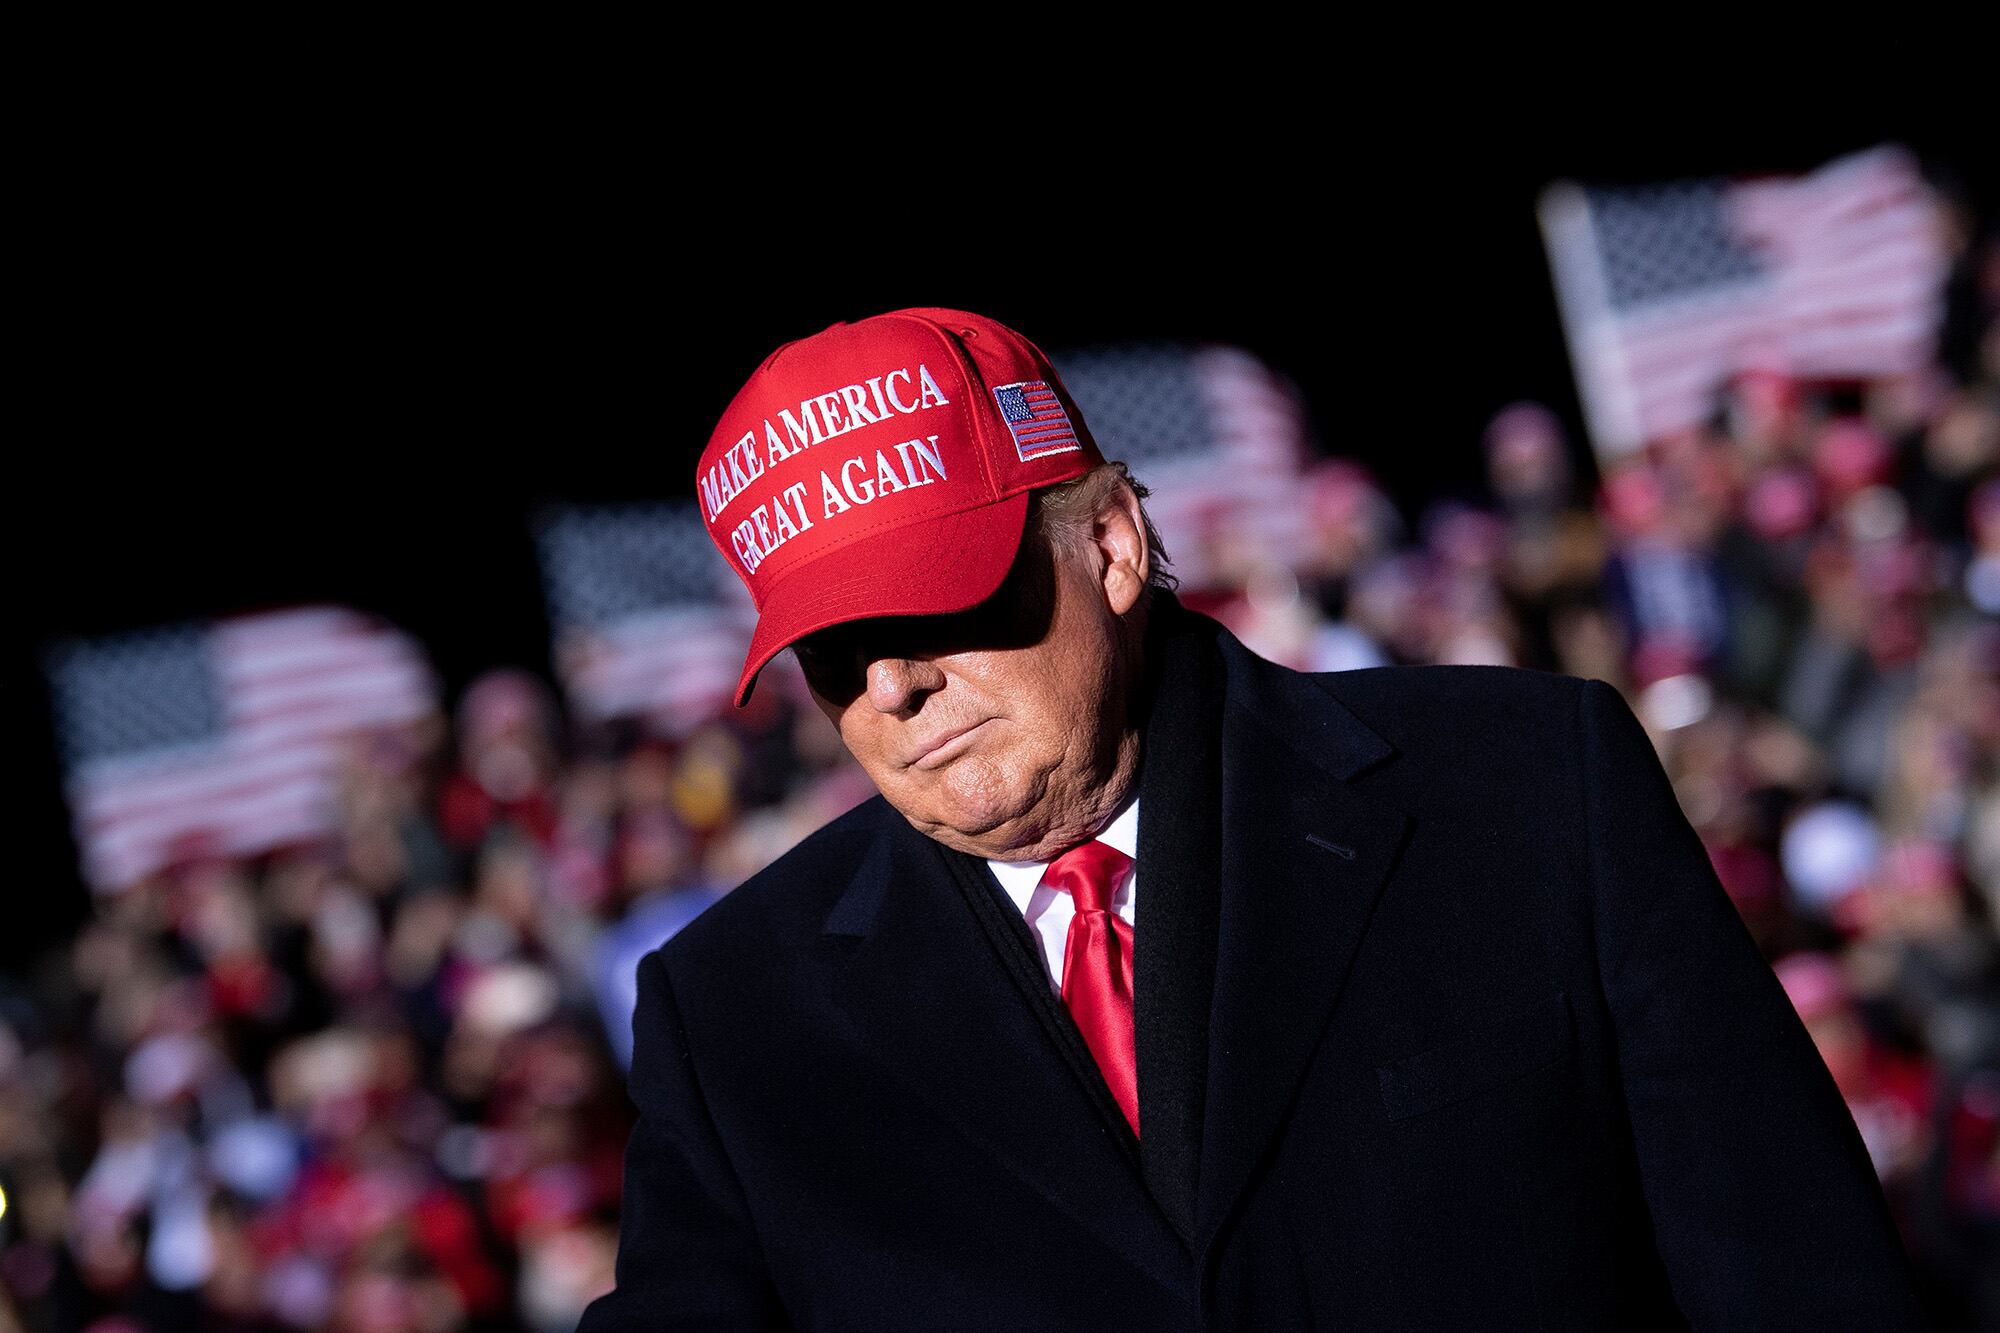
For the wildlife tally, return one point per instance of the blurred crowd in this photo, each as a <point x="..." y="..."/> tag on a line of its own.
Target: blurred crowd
<point x="375" y="1082"/>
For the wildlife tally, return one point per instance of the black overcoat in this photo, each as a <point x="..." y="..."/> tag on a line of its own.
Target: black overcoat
<point x="1443" y="1021"/>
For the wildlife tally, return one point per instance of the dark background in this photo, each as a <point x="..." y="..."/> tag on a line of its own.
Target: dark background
<point x="335" y="359"/>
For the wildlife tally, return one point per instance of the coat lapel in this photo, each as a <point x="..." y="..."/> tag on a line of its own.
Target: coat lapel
<point x="1303" y="860"/>
<point x="1180" y="843"/>
<point x="925" y="990"/>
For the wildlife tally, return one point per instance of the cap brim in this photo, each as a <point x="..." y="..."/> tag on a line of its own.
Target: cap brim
<point x="931" y="567"/>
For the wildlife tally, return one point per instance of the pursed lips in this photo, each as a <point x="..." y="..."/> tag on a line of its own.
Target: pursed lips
<point x="945" y="746"/>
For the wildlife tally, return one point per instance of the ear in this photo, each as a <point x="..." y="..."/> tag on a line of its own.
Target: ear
<point x="1119" y="532"/>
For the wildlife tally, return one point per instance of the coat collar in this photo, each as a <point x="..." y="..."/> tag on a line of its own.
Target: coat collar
<point x="1302" y="857"/>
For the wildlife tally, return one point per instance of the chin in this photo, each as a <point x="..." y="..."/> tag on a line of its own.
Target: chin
<point x="975" y="809"/>
<point x="976" y="821"/>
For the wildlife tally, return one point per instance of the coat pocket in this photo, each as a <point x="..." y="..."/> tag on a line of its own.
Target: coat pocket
<point x="1520" y="1042"/>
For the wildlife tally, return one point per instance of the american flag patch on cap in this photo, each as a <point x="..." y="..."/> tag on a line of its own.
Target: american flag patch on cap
<point x="1036" y="417"/>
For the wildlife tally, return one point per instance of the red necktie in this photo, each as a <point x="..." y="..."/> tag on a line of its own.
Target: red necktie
<point x="1097" y="965"/>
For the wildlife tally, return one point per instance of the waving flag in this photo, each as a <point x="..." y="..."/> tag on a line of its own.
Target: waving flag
<point x="1667" y="291"/>
<point x="646" y="620"/>
<point x="1213" y="432"/>
<point x="221" y="738"/>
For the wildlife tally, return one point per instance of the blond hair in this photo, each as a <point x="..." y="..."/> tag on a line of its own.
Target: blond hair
<point x="1066" y="514"/>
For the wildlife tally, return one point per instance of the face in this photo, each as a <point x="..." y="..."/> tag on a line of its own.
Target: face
<point x="1001" y="731"/>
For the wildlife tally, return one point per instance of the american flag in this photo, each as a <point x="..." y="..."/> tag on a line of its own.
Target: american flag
<point x="1035" y="416"/>
<point x="1668" y="291"/>
<point x="647" y="621"/>
<point x="224" y="737"/>
<point x="1214" y="433"/>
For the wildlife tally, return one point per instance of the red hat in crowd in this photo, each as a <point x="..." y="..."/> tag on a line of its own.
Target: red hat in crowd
<point x="882" y="468"/>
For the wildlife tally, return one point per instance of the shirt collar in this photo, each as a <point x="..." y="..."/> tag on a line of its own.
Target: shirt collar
<point x="1123" y="831"/>
<point x="1020" y="878"/>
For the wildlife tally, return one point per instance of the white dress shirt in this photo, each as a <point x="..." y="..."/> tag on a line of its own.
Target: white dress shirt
<point x="1048" y="911"/>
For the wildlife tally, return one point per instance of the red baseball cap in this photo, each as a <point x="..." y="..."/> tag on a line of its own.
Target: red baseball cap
<point x="882" y="468"/>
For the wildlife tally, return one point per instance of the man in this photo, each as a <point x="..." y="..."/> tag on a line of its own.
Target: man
<point x="1166" y="988"/>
